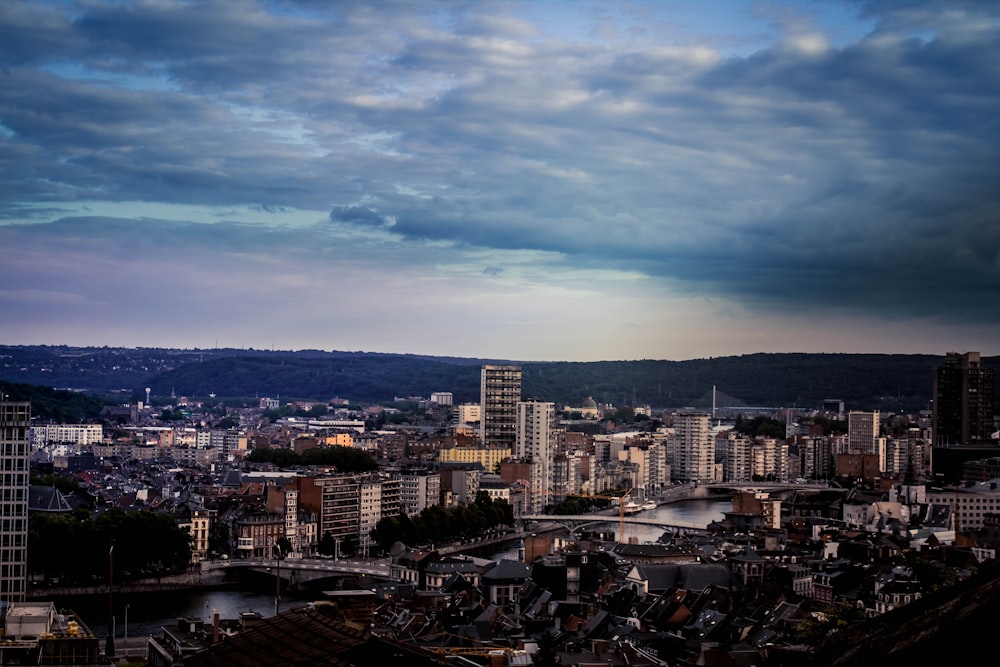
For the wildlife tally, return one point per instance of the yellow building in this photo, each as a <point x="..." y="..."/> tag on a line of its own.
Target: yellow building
<point x="488" y="457"/>
<point x="339" y="440"/>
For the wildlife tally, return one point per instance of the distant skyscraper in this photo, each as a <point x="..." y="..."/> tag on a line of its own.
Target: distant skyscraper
<point x="535" y="442"/>
<point x="963" y="401"/>
<point x="15" y="421"/>
<point x="862" y="432"/>
<point x="500" y="391"/>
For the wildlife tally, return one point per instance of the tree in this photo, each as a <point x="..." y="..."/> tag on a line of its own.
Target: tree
<point x="328" y="546"/>
<point x="548" y="651"/>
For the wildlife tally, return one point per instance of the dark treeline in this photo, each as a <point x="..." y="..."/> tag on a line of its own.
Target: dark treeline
<point x="56" y="405"/>
<point x="437" y="524"/>
<point x="863" y="381"/>
<point x="78" y="546"/>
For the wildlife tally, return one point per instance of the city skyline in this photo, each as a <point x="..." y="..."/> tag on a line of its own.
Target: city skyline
<point x="527" y="181"/>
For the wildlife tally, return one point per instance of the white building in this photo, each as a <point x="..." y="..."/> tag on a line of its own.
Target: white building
<point x="535" y="442"/>
<point x="769" y="460"/>
<point x="969" y="504"/>
<point x="81" y="435"/>
<point x="468" y="413"/>
<point x="734" y="450"/>
<point x="695" y="448"/>
<point x="442" y="397"/>
<point x="419" y="490"/>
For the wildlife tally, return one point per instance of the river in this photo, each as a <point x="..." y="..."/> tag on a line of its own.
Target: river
<point x="148" y="612"/>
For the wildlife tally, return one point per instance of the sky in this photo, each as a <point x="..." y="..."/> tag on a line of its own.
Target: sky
<point x="510" y="180"/>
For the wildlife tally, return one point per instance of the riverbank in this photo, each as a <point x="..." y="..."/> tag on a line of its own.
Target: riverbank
<point x="192" y="580"/>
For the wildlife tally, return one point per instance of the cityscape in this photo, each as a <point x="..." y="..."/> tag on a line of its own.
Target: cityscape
<point x="504" y="333"/>
<point x="508" y="531"/>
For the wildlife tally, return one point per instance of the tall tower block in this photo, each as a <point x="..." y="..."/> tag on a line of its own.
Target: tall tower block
<point x="15" y="420"/>
<point x="500" y="391"/>
<point x="963" y="401"/>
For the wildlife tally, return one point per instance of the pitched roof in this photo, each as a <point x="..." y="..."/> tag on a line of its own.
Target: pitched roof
<point x="305" y="636"/>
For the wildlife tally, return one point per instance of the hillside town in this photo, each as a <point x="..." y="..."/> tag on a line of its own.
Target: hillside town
<point x="832" y="517"/>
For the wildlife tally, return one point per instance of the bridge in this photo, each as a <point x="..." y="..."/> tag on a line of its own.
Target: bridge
<point x="584" y="520"/>
<point x="300" y="570"/>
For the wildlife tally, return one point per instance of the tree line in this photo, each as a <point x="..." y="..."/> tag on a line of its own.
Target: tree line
<point x="79" y="547"/>
<point x="437" y="524"/>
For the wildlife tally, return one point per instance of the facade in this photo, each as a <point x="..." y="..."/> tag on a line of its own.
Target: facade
<point x="487" y="457"/>
<point x="695" y="448"/>
<point x="769" y="460"/>
<point x="442" y="397"/>
<point x="15" y="421"/>
<point x="734" y="450"/>
<point x="198" y="527"/>
<point x="500" y="392"/>
<point x="963" y="401"/>
<point x="81" y="435"/>
<point x="418" y="491"/>
<point x="469" y="413"/>
<point x="862" y="432"/>
<point x="970" y="505"/>
<point x="817" y="457"/>
<point x="535" y="442"/>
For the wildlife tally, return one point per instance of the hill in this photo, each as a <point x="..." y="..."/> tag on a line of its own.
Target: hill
<point x="868" y="381"/>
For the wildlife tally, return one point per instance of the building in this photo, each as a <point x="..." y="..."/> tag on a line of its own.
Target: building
<point x="769" y="460"/>
<point x="468" y="413"/>
<point x="695" y="448"/>
<point x="963" y="401"/>
<point x="734" y="450"/>
<point x="487" y="457"/>
<point x="862" y="432"/>
<point x="81" y="435"/>
<point x="535" y="442"/>
<point x="419" y="490"/>
<point x="442" y="398"/>
<point x="970" y="504"/>
<point x="15" y="422"/>
<point x="500" y="392"/>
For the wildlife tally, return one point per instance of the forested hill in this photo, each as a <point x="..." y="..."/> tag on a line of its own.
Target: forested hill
<point x="886" y="382"/>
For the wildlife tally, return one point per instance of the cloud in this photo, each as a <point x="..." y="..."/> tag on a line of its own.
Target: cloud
<point x="847" y="163"/>
<point x="357" y="215"/>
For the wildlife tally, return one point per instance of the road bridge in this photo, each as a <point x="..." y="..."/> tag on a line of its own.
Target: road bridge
<point x="584" y="520"/>
<point x="300" y="570"/>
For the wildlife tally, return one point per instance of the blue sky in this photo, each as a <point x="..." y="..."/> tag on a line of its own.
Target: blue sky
<point x="536" y="180"/>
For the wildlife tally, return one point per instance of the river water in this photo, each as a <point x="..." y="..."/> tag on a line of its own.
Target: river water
<point x="148" y="612"/>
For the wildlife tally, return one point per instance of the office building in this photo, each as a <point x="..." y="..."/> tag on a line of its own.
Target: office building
<point x="963" y="401"/>
<point x="15" y="422"/>
<point x="500" y="391"/>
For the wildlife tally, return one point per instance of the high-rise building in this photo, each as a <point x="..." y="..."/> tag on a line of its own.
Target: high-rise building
<point x="695" y="448"/>
<point x="500" y="391"/>
<point x="535" y="442"/>
<point x="963" y="401"/>
<point x="862" y="432"/>
<point x="15" y="422"/>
